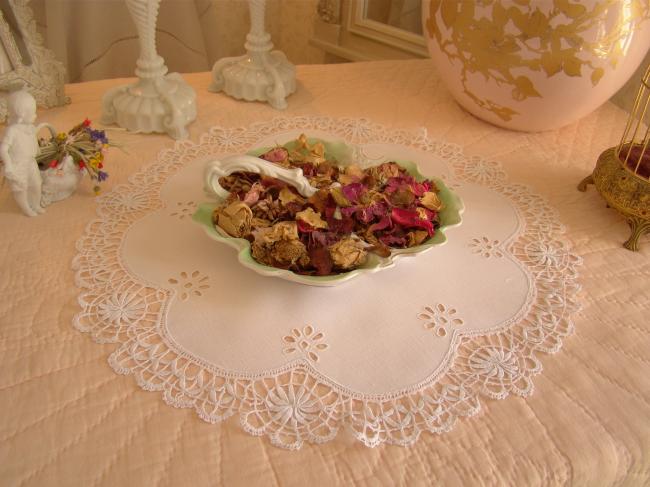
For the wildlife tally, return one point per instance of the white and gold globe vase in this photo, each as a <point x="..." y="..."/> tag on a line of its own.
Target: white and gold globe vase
<point x="535" y="65"/>
<point x="261" y="74"/>
<point x="158" y="101"/>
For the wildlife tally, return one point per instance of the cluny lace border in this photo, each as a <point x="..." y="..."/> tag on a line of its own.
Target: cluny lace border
<point x="298" y="404"/>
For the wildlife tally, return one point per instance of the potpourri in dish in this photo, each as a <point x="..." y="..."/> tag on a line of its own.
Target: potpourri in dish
<point x="354" y="212"/>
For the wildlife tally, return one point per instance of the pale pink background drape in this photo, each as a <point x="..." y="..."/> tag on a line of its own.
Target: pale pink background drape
<point x="96" y="39"/>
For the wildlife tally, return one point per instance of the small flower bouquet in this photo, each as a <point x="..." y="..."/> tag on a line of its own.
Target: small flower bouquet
<point x="85" y="145"/>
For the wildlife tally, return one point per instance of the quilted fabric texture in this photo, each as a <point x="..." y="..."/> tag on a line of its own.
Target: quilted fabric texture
<point x="68" y="419"/>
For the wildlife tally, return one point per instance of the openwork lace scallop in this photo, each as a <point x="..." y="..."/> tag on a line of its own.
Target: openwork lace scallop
<point x="298" y="404"/>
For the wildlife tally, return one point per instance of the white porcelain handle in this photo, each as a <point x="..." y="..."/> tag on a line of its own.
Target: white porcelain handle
<point x="219" y="168"/>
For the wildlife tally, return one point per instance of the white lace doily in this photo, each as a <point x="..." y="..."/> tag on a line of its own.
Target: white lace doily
<point x="388" y="355"/>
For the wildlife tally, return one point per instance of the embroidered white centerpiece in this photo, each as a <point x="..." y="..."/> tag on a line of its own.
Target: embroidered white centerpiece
<point x="389" y="355"/>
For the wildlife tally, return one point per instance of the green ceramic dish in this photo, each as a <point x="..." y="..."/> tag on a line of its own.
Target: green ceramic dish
<point x="450" y="216"/>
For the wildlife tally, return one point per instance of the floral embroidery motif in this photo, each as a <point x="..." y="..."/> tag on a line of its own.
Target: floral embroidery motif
<point x="481" y="171"/>
<point x="502" y="370"/>
<point x="357" y="130"/>
<point x="545" y="254"/>
<point x="132" y="201"/>
<point x="293" y="404"/>
<point x="189" y="284"/>
<point x="291" y="408"/>
<point x="485" y="247"/>
<point x="228" y="139"/>
<point x="122" y="309"/>
<point x="440" y="319"/>
<point x="184" y="209"/>
<point x="306" y="342"/>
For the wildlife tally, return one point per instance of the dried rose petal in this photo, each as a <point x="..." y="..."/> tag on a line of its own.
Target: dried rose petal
<point x="416" y="237"/>
<point x="384" y="223"/>
<point x="353" y="191"/>
<point x="277" y="155"/>
<point x="320" y="259"/>
<point x="269" y="182"/>
<point x="304" y="227"/>
<point x="235" y="219"/>
<point x="402" y="197"/>
<point x="290" y="252"/>
<point x="348" y="253"/>
<point x="259" y="223"/>
<point x="320" y="200"/>
<point x="410" y="218"/>
<point x="352" y="174"/>
<point x="393" y="240"/>
<point x="312" y="218"/>
<point x="287" y="196"/>
<point x="364" y="215"/>
<point x="253" y="194"/>
<point x="339" y="197"/>
<point x="369" y="209"/>
<point x="431" y="201"/>
<point x="279" y="246"/>
<point x="420" y="188"/>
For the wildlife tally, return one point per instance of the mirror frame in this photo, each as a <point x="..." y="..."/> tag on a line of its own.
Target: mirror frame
<point x="44" y="77"/>
<point x="407" y="41"/>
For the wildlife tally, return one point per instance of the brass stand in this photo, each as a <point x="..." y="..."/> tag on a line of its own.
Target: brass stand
<point x="624" y="191"/>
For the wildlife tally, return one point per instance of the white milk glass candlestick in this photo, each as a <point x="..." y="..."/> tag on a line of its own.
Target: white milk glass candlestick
<point x="259" y="75"/>
<point x="157" y="102"/>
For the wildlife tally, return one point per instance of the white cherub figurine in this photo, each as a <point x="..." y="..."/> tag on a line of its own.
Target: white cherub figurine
<point x="18" y="151"/>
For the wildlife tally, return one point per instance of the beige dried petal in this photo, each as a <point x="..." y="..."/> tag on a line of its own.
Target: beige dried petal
<point x="287" y="196"/>
<point x="288" y="252"/>
<point x="416" y="237"/>
<point x="348" y="253"/>
<point x="302" y="142"/>
<point x="430" y="200"/>
<point x="422" y="213"/>
<point x="261" y="254"/>
<point x="339" y="197"/>
<point x="279" y="231"/>
<point x="345" y="179"/>
<point x="355" y="171"/>
<point x="235" y="219"/>
<point x="320" y="181"/>
<point x="372" y="196"/>
<point x="318" y="149"/>
<point x="312" y="218"/>
<point x="260" y="223"/>
<point x="314" y="159"/>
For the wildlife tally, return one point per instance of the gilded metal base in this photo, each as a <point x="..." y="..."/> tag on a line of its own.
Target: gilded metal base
<point x="624" y="191"/>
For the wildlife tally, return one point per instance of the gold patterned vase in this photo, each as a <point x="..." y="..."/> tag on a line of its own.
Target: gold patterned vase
<point x="535" y="64"/>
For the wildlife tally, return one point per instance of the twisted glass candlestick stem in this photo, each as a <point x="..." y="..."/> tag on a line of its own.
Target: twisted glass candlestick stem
<point x="261" y="74"/>
<point x="157" y="102"/>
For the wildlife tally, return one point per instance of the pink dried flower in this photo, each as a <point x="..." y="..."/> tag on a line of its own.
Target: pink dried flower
<point x="354" y="191"/>
<point x="411" y="219"/>
<point x="277" y="155"/>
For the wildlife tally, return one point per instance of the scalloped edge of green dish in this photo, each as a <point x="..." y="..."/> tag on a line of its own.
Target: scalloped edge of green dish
<point x="450" y="217"/>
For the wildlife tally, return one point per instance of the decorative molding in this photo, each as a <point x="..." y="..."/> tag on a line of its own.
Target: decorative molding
<point x="329" y="11"/>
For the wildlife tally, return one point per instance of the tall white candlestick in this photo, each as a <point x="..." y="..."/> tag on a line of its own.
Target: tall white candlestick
<point x="157" y="102"/>
<point x="259" y="75"/>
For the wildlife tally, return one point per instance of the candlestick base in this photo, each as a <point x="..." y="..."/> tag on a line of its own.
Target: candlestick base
<point x="164" y="104"/>
<point x="256" y="76"/>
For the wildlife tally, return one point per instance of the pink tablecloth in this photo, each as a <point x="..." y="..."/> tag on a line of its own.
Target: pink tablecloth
<point x="68" y="419"/>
